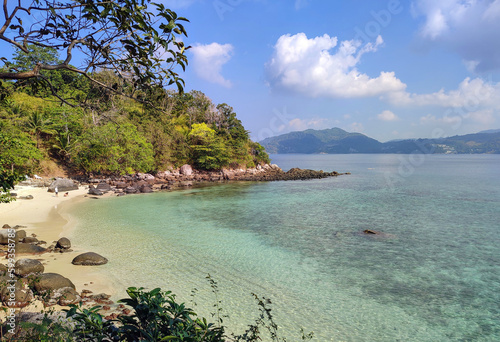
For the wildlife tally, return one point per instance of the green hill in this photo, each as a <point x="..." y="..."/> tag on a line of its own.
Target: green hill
<point x="338" y="141"/>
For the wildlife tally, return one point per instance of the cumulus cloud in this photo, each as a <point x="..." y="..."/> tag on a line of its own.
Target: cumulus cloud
<point x="208" y="61"/>
<point x="308" y="66"/>
<point x="470" y="28"/>
<point x="387" y="115"/>
<point x="470" y="93"/>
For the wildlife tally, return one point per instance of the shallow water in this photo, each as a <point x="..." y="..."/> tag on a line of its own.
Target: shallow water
<point x="433" y="276"/>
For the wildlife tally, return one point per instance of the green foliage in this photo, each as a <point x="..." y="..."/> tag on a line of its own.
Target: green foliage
<point x="209" y="150"/>
<point x="112" y="148"/>
<point x="137" y="40"/>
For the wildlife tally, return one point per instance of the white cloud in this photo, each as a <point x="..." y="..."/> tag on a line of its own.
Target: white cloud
<point x="471" y="94"/>
<point x="387" y="115"/>
<point x="307" y="66"/>
<point x="298" y="124"/>
<point x="208" y="61"/>
<point x="470" y="28"/>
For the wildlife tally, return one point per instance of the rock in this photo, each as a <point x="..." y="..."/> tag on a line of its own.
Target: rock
<point x="94" y="191"/>
<point x="104" y="187"/>
<point x="63" y="243"/>
<point x="26" y="248"/>
<point x="28" y="197"/>
<point x="20" y="234"/>
<point x="89" y="259"/>
<point x="371" y="232"/>
<point x="106" y="307"/>
<point x="121" y="194"/>
<point x="3" y="269"/>
<point x="6" y="226"/>
<point x="145" y="189"/>
<point x="22" y="295"/>
<point x="121" y="185"/>
<point x="62" y="185"/>
<point x="30" y="239"/>
<point x="50" y="282"/>
<point x="4" y="236"/>
<point x="26" y="267"/>
<point x="144" y="177"/>
<point x="186" y="170"/>
<point x="130" y="190"/>
<point x="67" y="296"/>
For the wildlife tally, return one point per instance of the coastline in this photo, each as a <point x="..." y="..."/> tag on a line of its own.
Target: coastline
<point x="46" y="216"/>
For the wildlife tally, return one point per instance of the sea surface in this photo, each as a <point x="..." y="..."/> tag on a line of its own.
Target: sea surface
<point x="434" y="274"/>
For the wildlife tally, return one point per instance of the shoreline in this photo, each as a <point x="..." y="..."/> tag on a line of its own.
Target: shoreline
<point x="46" y="216"/>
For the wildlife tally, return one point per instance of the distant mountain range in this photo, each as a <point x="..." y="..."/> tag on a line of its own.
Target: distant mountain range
<point x="336" y="141"/>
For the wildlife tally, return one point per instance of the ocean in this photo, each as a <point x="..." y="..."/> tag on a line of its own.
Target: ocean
<point x="432" y="275"/>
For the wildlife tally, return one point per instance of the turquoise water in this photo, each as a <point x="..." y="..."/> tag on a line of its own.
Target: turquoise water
<point x="433" y="276"/>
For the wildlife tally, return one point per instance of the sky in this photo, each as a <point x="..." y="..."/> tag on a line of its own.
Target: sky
<point x="389" y="69"/>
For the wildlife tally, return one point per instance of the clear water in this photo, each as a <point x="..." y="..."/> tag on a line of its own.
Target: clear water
<point x="433" y="276"/>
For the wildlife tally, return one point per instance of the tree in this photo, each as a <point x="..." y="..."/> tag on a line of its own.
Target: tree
<point x="209" y="151"/>
<point x="124" y="36"/>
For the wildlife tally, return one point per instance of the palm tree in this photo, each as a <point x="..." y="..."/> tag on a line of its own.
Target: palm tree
<point x="38" y="125"/>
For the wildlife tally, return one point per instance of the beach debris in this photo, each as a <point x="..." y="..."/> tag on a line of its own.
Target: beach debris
<point x="63" y="243"/>
<point x="27" y="267"/>
<point x="89" y="259"/>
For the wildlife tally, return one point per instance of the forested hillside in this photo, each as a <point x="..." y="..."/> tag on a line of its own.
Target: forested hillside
<point x="96" y="131"/>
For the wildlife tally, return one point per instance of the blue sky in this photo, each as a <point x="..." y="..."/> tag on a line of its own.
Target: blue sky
<point x="390" y="69"/>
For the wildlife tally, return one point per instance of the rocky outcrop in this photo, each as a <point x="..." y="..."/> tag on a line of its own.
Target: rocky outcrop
<point x="89" y="259"/>
<point x="62" y="185"/>
<point x="94" y="191"/>
<point x="66" y="296"/>
<point x="27" y="267"/>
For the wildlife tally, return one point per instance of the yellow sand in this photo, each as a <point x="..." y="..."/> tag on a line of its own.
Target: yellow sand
<point x="41" y="216"/>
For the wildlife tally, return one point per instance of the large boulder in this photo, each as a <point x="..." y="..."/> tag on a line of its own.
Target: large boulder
<point x="62" y="185"/>
<point x="50" y="282"/>
<point x="186" y="170"/>
<point x="89" y="259"/>
<point x="27" y="248"/>
<point x="104" y="187"/>
<point x="63" y="243"/>
<point x="94" y="191"/>
<point x="26" y="267"/>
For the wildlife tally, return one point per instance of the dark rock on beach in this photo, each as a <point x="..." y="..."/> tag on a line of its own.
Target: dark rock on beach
<point x="62" y="185"/>
<point x="26" y="248"/>
<point x="22" y="294"/>
<point x="89" y="259"/>
<point x="26" y="267"/>
<point x="50" y="282"/>
<point x="94" y="191"/>
<point x="63" y="243"/>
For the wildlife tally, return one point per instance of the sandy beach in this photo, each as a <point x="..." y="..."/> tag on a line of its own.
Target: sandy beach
<point x="44" y="216"/>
